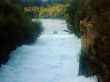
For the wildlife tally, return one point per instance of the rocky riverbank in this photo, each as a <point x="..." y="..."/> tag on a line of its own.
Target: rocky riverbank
<point x="15" y="28"/>
<point x="93" y="19"/>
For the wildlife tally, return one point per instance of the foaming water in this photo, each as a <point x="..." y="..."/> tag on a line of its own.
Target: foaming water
<point x="52" y="58"/>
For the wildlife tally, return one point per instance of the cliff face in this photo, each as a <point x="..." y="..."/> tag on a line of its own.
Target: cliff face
<point x="88" y="36"/>
<point x="95" y="38"/>
<point x="96" y="48"/>
<point x="93" y="18"/>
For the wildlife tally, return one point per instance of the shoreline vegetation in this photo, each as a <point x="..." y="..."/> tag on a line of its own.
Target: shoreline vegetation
<point x="87" y="19"/>
<point x="90" y="21"/>
<point x="52" y="11"/>
<point x="15" y="28"/>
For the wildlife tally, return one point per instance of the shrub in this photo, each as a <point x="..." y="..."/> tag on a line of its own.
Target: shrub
<point x="15" y="28"/>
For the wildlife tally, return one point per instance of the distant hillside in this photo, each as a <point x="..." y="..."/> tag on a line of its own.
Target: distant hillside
<point x="52" y="11"/>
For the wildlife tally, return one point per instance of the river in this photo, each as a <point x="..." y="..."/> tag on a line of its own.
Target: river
<point x="52" y="58"/>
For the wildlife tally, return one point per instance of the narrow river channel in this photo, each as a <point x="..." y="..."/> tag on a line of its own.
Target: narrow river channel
<point x="52" y="58"/>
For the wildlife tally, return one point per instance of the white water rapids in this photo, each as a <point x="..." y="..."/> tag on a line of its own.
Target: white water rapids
<point x="52" y="58"/>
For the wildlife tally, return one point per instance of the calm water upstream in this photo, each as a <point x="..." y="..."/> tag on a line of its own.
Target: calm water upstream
<point x="52" y="58"/>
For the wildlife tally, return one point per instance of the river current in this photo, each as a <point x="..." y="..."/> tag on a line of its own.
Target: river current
<point x="52" y="58"/>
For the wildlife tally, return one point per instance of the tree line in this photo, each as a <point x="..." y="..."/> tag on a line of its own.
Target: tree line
<point x="53" y="11"/>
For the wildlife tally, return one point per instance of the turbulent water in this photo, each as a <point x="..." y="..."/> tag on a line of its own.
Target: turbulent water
<point x="52" y="58"/>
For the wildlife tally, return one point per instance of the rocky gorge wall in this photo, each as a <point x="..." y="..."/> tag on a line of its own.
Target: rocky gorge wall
<point x="91" y="20"/>
<point x="95" y="56"/>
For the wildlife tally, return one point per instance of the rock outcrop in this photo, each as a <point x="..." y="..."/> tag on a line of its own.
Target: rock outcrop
<point x="95" y="38"/>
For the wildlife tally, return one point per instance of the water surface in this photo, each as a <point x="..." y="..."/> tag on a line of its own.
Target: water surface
<point x="52" y="58"/>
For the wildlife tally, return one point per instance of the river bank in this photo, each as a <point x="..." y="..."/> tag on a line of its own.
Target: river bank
<point x="91" y="20"/>
<point x="52" y="58"/>
<point x="15" y="28"/>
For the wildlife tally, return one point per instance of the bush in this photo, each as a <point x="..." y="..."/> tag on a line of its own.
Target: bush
<point x="15" y="28"/>
<point x="72" y="19"/>
<point x="52" y="11"/>
<point x="99" y="12"/>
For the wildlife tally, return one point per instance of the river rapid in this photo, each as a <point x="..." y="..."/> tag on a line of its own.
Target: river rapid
<point x="52" y="58"/>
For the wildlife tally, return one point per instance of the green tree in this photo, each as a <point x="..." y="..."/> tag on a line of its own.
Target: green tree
<point x="15" y="28"/>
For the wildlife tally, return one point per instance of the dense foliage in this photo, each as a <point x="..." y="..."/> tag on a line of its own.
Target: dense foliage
<point x="53" y="11"/>
<point x="94" y="60"/>
<point x="15" y="28"/>
<point x="73" y="18"/>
